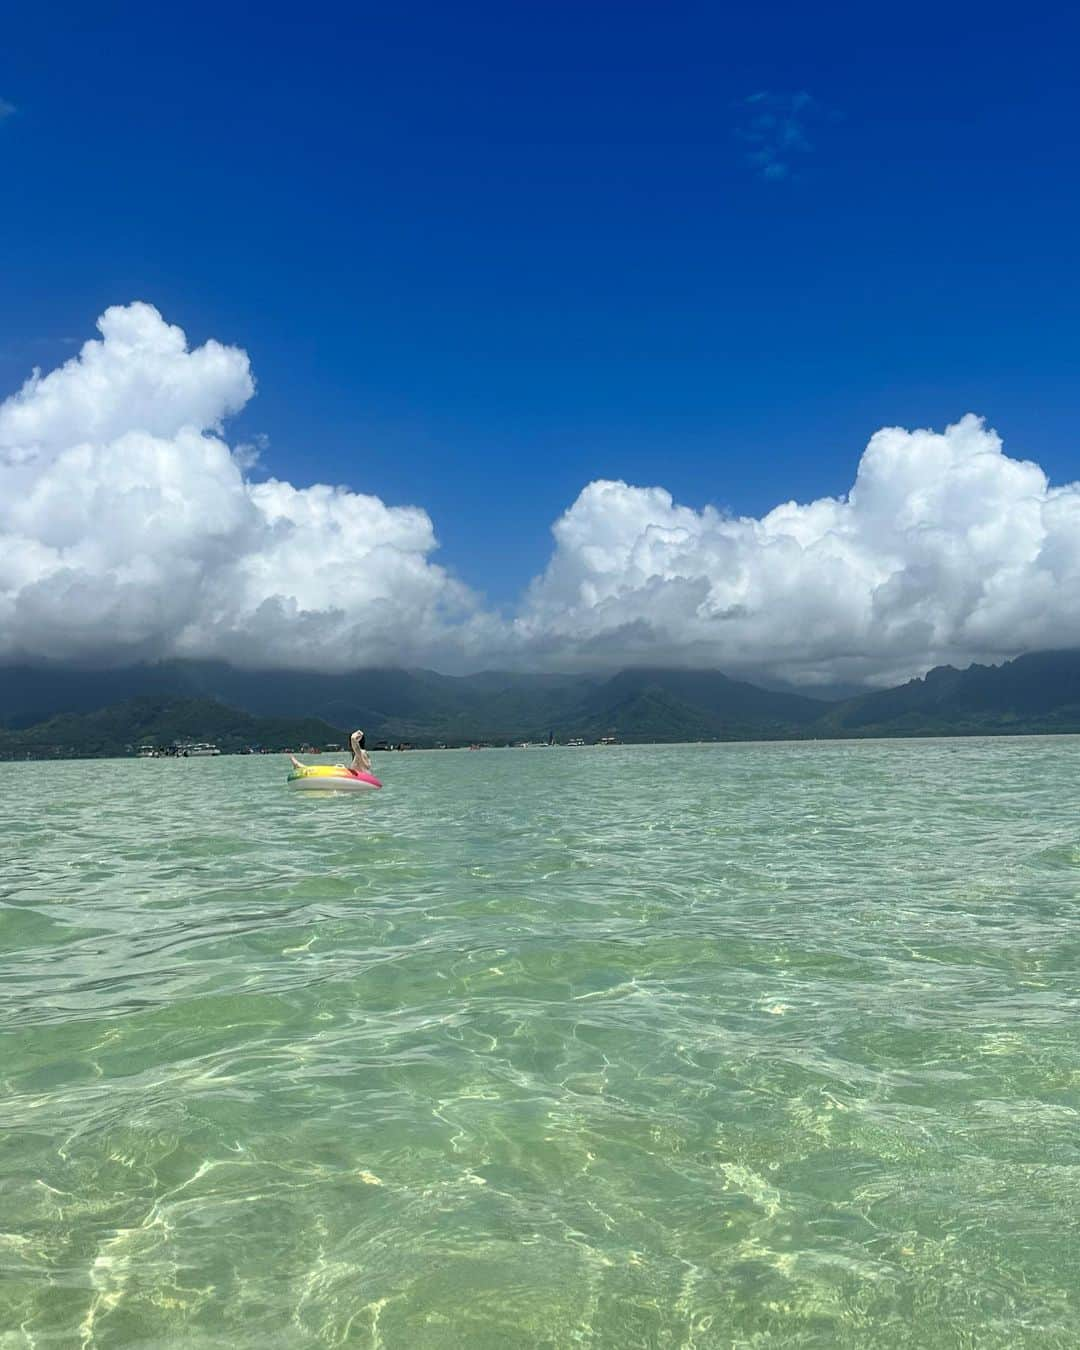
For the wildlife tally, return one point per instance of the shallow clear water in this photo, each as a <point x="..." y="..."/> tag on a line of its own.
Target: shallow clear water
<point x="745" y="1045"/>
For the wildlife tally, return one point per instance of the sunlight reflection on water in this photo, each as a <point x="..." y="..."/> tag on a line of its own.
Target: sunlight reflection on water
<point x="685" y="1046"/>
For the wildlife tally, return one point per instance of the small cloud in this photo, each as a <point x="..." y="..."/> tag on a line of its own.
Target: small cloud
<point x="248" y="453"/>
<point x="774" y="129"/>
<point x="6" y="109"/>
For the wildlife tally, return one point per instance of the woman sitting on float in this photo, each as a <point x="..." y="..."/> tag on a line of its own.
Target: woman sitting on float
<point x="361" y="760"/>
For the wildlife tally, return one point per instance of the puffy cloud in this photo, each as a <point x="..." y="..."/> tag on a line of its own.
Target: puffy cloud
<point x="944" y="550"/>
<point x="129" y="528"/>
<point x="138" y="376"/>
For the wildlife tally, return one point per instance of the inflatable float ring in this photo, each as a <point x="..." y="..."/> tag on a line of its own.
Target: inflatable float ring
<point x="331" y="778"/>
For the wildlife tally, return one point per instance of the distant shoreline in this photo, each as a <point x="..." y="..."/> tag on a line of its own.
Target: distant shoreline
<point x="897" y="738"/>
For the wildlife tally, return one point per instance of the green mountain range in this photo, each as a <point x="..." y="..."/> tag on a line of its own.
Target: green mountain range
<point x="50" y="711"/>
<point x="162" y="721"/>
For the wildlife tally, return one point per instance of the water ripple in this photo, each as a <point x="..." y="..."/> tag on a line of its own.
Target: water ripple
<point x="684" y="1047"/>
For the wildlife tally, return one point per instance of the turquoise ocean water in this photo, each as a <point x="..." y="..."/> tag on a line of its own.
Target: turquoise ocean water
<point x="744" y="1045"/>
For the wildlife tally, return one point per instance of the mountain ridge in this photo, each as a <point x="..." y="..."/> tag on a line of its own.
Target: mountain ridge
<point x="1037" y="692"/>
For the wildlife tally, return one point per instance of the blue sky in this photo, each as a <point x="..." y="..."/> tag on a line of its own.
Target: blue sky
<point x="481" y="255"/>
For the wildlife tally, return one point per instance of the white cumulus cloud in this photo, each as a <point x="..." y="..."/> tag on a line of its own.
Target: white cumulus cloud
<point x="945" y="549"/>
<point x="129" y="528"/>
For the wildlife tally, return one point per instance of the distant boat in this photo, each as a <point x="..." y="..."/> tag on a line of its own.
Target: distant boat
<point x="575" y="740"/>
<point x="197" y="749"/>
